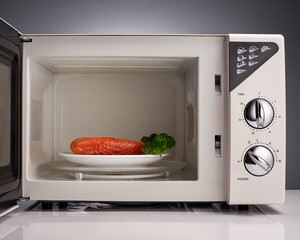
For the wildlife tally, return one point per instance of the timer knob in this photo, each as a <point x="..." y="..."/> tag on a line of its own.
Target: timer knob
<point x="259" y="160"/>
<point x="259" y="113"/>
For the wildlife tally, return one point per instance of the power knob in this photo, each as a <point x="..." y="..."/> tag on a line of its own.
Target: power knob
<point x="259" y="160"/>
<point x="259" y="113"/>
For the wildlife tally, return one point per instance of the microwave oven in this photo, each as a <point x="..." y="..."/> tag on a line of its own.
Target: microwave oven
<point x="222" y="97"/>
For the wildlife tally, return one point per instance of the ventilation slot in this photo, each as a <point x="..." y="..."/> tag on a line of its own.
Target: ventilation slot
<point x="35" y="120"/>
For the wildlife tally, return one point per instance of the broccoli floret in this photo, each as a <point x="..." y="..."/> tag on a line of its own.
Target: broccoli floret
<point x="157" y="144"/>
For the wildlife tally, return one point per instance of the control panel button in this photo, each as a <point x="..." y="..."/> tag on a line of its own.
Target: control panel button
<point x="259" y="113"/>
<point x="259" y="160"/>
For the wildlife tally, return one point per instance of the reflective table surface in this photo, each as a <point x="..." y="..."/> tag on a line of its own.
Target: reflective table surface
<point x="86" y="220"/>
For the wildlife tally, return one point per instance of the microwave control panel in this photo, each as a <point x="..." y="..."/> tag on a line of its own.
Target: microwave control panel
<point x="256" y="120"/>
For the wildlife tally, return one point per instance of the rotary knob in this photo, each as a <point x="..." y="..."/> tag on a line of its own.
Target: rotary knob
<point x="259" y="113"/>
<point x="259" y="160"/>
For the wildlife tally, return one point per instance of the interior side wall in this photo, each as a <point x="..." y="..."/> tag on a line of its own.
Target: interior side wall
<point x="41" y="116"/>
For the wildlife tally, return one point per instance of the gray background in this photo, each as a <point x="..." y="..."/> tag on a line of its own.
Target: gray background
<point x="167" y="16"/>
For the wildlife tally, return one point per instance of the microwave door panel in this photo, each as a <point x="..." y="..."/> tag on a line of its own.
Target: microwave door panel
<point x="10" y="114"/>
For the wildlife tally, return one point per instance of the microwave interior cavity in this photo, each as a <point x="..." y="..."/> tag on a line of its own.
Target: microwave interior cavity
<point x="124" y="97"/>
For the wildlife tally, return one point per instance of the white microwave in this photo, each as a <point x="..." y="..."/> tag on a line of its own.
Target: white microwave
<point x="222" y="97"/>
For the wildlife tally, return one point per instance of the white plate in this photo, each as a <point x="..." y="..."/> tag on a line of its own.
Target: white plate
<point x="113" y="160"/>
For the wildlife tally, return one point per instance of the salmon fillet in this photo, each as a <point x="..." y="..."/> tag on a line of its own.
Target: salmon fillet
<point x="106" y="146"/>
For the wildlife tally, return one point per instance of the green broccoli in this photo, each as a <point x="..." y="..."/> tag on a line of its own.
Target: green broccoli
<point x="157" y="144"/>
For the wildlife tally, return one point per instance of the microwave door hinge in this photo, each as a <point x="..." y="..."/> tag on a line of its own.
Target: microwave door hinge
<point x="25" y="39"/>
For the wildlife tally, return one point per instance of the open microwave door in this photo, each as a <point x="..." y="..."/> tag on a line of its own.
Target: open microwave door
<point x="10" y="116"/>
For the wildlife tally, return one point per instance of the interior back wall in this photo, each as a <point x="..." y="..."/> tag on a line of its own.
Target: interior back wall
<point x="175" y="16"/>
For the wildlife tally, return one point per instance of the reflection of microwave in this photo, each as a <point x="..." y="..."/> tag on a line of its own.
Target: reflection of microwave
<point x="222" y="97"/>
